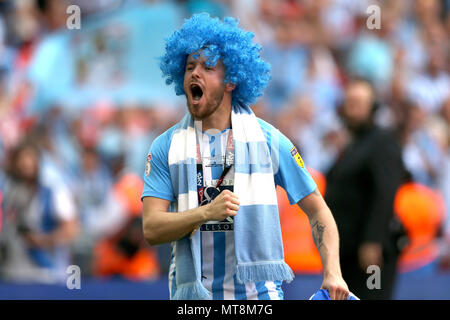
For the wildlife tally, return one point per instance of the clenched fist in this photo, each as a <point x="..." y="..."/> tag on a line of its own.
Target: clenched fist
<point x="226" y="204"/>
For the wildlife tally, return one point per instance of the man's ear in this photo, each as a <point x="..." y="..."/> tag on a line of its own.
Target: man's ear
<point x="229" y="87"/>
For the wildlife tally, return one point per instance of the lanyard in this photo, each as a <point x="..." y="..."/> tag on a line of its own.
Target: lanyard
<point x="228" y="163"/>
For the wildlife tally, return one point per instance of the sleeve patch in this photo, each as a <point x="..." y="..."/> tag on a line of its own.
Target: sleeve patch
<point x="297" y="157"/>
<point x="147" y="165"/>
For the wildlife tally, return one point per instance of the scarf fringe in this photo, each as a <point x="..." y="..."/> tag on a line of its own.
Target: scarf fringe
<point x="192" y="291"/>
<point x="277" y="271"/>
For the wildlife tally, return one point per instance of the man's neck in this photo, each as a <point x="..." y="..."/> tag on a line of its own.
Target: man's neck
<point x="219" y="120"/>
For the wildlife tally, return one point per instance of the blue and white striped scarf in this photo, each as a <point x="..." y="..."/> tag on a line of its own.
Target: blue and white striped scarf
<point x="258" y="241"/>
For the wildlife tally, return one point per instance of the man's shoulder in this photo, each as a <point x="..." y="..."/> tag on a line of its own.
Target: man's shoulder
<point x="273" y="134"/>
<point x="162" y="142"/>
<point x="384" y="139"/>
<point x="268" y="129"/>
<point x="385" y="135"/>
<point x="265" y="126"/>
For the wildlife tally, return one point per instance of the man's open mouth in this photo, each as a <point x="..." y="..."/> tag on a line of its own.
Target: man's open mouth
<point x="196" y="92"/>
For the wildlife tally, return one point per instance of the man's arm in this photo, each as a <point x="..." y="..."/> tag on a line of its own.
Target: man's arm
<point x="64" y="234"/>
<point x="326" y="238"/>
<point x="161" y="226"/>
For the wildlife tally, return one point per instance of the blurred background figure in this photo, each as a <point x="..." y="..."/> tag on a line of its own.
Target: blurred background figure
<point x="97" y="213"/>
<point x="361" y="188"/>
<point x="89" y="102"/>
<point x="40" y="222"/>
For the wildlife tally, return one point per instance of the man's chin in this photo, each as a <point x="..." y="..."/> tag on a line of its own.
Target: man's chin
<point x="197" y="111"/>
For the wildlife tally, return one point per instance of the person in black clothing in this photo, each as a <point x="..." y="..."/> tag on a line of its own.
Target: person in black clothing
<point x="361" y="188"/>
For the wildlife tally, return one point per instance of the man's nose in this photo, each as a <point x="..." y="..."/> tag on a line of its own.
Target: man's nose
<point x="196" y="72"/>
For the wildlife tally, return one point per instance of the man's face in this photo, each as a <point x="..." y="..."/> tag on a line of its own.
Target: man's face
<point x="358" y="103"/>
<point x="28" y="164"/>
<point x="204" y="86"/>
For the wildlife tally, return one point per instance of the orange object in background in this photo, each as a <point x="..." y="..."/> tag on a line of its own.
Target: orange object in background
<point x="300" y="252"/>
<point x="421" y="210"/>
<point x="110" y="258"/>
<point x="128" y="190"/>
<point x="143" y="265"/>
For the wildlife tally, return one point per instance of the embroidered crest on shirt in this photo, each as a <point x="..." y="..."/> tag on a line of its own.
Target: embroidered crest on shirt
<point x="297" y="157"/>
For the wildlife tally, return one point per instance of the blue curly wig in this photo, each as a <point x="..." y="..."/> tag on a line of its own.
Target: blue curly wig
<point x="218" y="40"/>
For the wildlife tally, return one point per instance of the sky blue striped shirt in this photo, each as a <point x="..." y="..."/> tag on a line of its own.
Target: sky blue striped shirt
<point x="217" y="237"/>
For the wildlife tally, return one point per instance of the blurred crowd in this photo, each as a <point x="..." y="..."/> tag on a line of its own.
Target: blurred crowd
<point x="70" y="181"/>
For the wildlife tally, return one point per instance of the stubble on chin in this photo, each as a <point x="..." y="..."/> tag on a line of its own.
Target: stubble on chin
<point x="203" y="112"/>
<point x="198" y="113"/>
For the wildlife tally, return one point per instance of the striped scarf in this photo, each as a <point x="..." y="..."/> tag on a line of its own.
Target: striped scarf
<point x="258" y="241"/>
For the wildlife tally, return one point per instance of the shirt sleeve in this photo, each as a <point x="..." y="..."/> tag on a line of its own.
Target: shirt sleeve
<point x="290" y="172"/>
<point x="157" y="182"/>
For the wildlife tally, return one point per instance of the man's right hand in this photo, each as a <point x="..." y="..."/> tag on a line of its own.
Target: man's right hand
<point x="226" y="204"/>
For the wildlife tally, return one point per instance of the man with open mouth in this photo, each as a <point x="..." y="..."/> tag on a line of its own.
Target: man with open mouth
<point x="210" y="179"/>
<point x="204" y="87"/>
